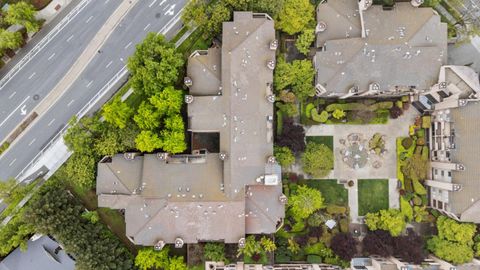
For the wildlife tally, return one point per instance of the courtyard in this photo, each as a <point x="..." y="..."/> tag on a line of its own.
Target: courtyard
<point x="365" y="158"/>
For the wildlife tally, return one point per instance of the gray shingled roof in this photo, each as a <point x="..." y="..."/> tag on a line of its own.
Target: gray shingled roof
<point x="404" y="47"/>
<point x="466" y="152"/>
<point x="201" y="197"/>
<point x="40" y="255"/>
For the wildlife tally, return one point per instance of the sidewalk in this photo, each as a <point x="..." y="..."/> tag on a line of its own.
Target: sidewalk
<point x="49" y="12"/>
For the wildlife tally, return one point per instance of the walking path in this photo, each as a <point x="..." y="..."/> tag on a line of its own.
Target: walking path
<point x="49" y="12"/>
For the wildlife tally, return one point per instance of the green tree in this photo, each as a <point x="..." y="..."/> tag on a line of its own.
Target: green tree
<point x="176" y="263"/>
<point x="54" y="211"/>
<point x="6" y="189"/>
<point x="23" y="13"/>
<point x="456" y="253"/>
<point x="173" y="141"/>
<point x="454" y="231"/>
<point x="91" y="216"/>
<point x="147" y="117"/>
<point x="80" y="170"/>
<point x="293" y="246"/>
<point x="317" y="160"/>
<point x="338" y="114"/>
<point x="305" y="202"/>
<point x="290" y="109"/>
<point x="284" y="156"/>
<point x="267" y="6"/>
<point x="267" y="244"/>
<point x="147" y="141"/>
<point x="295" y="16"/>
<point x="219" y="13"/>
<point x="154" y="65"/>
<point x="299" y="75"/>
<point x="149" y="258"/>
<point x="215" y="252"/>
<point x="168" y="102"/>
<point x="305" y="40"/>
<point x="108" y="143"/>
<point x="391" y="220"/>
<point x="10" y="40"/>
<point x="175" y="123"/>
<point x="15" y="233"/>
<point x="251" y="247"/>
<point x="117" y="113"/>
<point x="82" y="133"/>
<point x="195" y="13"/>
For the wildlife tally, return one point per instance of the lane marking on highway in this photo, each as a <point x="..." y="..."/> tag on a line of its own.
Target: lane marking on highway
<point x="51" y="122"/>
<point x="145" y="28"/>
<point x="11" y="163"/>
<point x="89" y="19"/>
<point x="70" y="103"/>
<point x="128" y="45"/>
<point x="70" y="38"/>
<point x="153" y="3"/>
<point x="30" y="143"/>
<point x="31" y="76"/>
<point x="163" y="2"/>
<point x="51" y="56"/>
<point x="13" y="94"/>
<point x="90" y="83"/>
<point x="10" y="115"/>
<point x="109" y="63"/>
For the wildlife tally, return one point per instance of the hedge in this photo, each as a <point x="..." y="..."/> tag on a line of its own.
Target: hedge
<point x="418" y="187"/>
<point x="425" y="152"/>
<point x="308" y="110"/>
<point x="406" y="208"/>
<point x="279" y="122"/>
<point x="321" y="118"/>
<point x="336" y="209"/>
<point x="385" y="105"/>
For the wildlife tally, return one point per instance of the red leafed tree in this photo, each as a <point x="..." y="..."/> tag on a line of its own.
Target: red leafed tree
<point x="378" y="243"/>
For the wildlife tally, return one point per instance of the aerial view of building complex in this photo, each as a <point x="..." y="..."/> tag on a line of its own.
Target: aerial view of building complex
<point x="240" y="135"/>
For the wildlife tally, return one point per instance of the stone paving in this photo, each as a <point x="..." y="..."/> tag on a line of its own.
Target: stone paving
<point x="388" y="161"/>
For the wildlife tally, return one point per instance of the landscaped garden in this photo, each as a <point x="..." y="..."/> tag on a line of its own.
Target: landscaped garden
<point x="372" y="195"/>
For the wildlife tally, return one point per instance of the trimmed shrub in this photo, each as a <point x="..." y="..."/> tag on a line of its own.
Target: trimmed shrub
<point x="420" y="141"/>
<point x="419" y="188"/>
<point x="321" y="118"/>
<point x="344" y="225"/>
<point x="308" y="110"/>
<point x="421" y="133"/>
<point x="407" y="143"/>
<point x="399" y="104"/>
<point x="418" y="149"/>
<point x="381" y="117"/>
<point x="315" y="220"/>
<point x="417" y="201"/>
<point x="405" y="98"/>
<point x="426" y="121"/>
<point x="406" y="208"/>
<point x="336" y="209"/>
<point x="314" y="259"/>
<point x="408" y="185"/>
<point x="425" y="153"/>
<point x="385" y="105"/>
<point x="346" y="107"/>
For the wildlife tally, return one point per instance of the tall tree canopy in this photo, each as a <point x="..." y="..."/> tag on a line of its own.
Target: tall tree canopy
<point x="56" y="212"/>
<point x="295" y="16"/>
<point x="298" y="75"/>
<point x="154" y="65"/>
<point x="305" y="201"/>
<point x="391" y="220"/>
<point x="10" y="40"/>
<point x="117" y="113"/>
<point x="317" y="160"/>
<point x="23" y="13"/>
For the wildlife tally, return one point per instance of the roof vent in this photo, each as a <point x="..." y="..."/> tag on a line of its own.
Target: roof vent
<point x="162" y="156"/>
<point x="179" y="242"/>
<point x="187" y="81"/>
<point x="188" y="99"/>
<point x="283" y="199"/>
<point x="271" y="64"/>
<point x="459" y="167"/>
<point x="321" y="26"/>
<point x="241" y="242"/>
<point x="462" y="102"/>
<point x="273" y="45"/>
<point x="223" y="156"/>
<point x="353" y="90"/>
<point x="416" y="3"/>
<point x="374" y="87"/>
<point x="159" y="245"/>
<point x="366" y="4"/>
<point x="271" y="98"/>
<point x="442" y="85"/>
<point x="271" y="160"/>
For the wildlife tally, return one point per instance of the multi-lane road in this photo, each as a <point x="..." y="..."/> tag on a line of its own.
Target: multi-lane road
<point x="47" y="68"/>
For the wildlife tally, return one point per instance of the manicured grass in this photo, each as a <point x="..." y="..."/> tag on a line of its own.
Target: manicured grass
<point x="372" y="195"/>
<point x="332" y="192"/>
<point x="326" y="140"/>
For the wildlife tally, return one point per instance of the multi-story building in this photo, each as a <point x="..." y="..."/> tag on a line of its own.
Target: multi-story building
<point x="453" y="184"/>
<point x="207" y="196"/>
<point x="368" y="50"/>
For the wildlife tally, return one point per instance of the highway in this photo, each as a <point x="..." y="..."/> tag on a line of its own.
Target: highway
<point x="146" y="16"/>
<point x="36" y="79"/>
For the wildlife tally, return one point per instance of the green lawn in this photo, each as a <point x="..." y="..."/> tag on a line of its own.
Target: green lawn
<point x="372" y="195"/>
<point x="332" y="192"/>
<point x="327" y="140"/>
